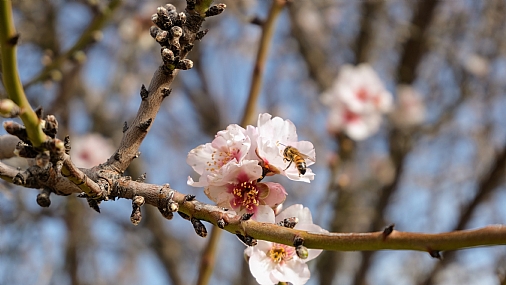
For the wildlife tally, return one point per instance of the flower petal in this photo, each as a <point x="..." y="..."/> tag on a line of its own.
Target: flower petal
<point x="277" y="194"/>
<point x="294" y="271"/>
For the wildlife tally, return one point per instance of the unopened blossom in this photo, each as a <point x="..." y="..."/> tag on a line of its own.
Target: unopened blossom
<point x="228" y="147"/>
<point x="357" y="101"/>
<point x="276" y="134"/>
<point x="239" y="190"/>
<point x="410" y="109"/>
<point x="90" y="150"/>
<point x="271" y="263"/>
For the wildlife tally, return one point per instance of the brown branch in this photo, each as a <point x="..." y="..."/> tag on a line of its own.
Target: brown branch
<point x="416" y="46"/>
<point x="158" y="89"/>
<point x="155" y="195"/>
<point x="311" y="50"/>
<point x="364" y="39"/>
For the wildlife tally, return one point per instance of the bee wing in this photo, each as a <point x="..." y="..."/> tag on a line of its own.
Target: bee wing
<point x="305" y="156"/>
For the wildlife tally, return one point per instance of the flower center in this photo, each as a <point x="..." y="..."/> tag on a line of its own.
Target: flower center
<point x="349" y="116"/>
<point x="220" y="158"/>
<point x="246" y="195"/>
<point x="362" y="95"/>
<point x="280" y="253"/>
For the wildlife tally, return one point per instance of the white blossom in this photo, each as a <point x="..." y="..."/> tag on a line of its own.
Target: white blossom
<point x="271" y="263"/>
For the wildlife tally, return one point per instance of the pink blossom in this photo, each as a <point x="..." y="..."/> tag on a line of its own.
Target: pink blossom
<point x="357" y="100"/>
<point x="271" y="263"/>
<point x="238" y="189"/>
<point x="410" y="109"/>
<point x="228" y="147"/>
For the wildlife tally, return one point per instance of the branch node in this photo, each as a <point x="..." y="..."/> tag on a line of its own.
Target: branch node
<point x="247" y="240"/>
<point x="184" y="64"/>
<point x="166" y="92"/>
<point x="142" y="178"/>
<point x="39" y="112"/>
<point x="50" y="126"/>
<point x="201" y="34"/>
<point x="297" y="241"/>
<point x="199" y="227"/>
<point x="189" y="198"/>
<point x="289" y="222"/>
<point x="221" y="223"/>
<point x="184" y="216"/>
<point x="166" y="213"/>
<point x="66" y="144"/>
<point x="17" y="130"/>
<point x="190" y="4"/>
<point x="25" y="150"/>
<point x="125" y="127"/>
<point x="136" y="215"/>
<point x="145" y="125"/>
<point x="144" y="92"/>
<point x="435" y="254"/>
<point x="246" y="216"/>
<point x="42" y="160"/>
<point x="9" y="109"/>
<point x="388" y="230"/>
<point x="215" y="10"/>
<point x="173" y="206"/>
<point x="302" y="252"/>
<point x="43" y="198"/>
<point x="94" y="204"/>
<point x="187" y="48"/>
<point x="19" y="179"/>
<point x="13" y="40"/>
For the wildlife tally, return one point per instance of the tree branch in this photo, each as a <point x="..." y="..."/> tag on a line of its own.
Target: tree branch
<point x="10" y="75"/>
<point x="157" y="195"/>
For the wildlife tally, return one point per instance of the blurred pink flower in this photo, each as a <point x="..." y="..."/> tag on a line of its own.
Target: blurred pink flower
<point x="271" y="263"/>
<point x="90" y="150"/>
<point x="410" y="109"/>
<point x="357" y="101"/>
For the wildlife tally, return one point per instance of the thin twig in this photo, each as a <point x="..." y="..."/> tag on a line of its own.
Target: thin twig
<point x="10" y="74"/>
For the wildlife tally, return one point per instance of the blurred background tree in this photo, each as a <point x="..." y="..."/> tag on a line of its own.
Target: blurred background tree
<point x="84" y="62"/>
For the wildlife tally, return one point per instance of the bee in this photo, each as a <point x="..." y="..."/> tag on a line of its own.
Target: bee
<point x="291" y="154"/>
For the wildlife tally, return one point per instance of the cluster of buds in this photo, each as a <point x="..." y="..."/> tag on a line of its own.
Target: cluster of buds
<point x="168" y="32"/>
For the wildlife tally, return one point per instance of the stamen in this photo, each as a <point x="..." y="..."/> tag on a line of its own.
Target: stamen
<point x="280" y="253"/>
<point x="246" y="195"/>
